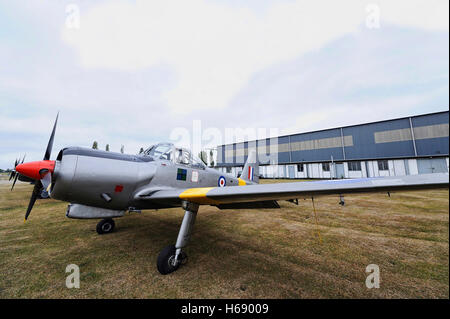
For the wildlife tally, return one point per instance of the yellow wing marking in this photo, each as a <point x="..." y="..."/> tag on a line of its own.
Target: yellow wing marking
<point x="198" y="195"/>
<point x="241" y="182"/>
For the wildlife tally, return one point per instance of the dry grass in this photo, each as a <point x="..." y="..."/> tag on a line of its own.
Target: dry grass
<point x="233" y="254"/>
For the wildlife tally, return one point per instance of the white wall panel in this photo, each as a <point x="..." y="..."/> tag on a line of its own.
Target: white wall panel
<point x="314" y="170"/>
<point x="399" y="167"/>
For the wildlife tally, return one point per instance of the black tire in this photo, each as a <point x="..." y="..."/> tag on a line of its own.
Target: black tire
<point x="105" y="226"/>
<point x="165" y="258"/>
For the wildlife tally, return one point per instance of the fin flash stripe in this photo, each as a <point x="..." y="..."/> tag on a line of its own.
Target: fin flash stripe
<point x="250" y="173"/>
<point x="198" y="195"/>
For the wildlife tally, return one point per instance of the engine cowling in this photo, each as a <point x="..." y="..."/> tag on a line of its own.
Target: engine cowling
<point x="98" y="178"/>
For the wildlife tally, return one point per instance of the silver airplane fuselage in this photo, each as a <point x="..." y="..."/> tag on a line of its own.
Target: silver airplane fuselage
<point x="110" y="180"/>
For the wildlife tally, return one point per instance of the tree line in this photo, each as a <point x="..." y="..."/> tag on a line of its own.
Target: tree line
<point x="107" y="148"/>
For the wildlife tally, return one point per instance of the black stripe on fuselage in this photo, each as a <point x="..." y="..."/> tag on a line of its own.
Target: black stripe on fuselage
<point x="104" y="154"/>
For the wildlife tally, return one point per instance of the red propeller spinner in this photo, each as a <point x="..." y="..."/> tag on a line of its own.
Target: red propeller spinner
<point x="36" y="170"/>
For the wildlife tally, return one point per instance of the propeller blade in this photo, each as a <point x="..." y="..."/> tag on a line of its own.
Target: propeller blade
<point x="36" y="190"/>
<point x="15" y="180"/>
<point x="23" y="159"/>
<point x="46" y="180"/>
<point x="48" y="151"/>
<point x="13" y="172"/>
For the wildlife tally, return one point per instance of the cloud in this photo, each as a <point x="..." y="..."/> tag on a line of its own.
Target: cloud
<point x="215" y="48"/>
<point x="432" y="15"/>
<point x="369" y="76"/>
<point x="136" y="70"/>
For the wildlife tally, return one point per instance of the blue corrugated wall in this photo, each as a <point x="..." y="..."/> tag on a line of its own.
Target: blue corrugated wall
<point x="364" y="146"/>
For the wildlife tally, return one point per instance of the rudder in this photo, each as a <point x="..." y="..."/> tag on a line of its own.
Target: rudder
<point x="250" y="173"/>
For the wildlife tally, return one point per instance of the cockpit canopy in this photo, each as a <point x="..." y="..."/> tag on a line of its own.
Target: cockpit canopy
<point x="177" y="155"/>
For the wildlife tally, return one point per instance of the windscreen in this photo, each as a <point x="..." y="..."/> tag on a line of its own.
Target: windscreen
<point x="160" y="151"/>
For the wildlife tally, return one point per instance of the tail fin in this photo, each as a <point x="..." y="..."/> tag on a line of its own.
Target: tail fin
<point x="250" y="173"/>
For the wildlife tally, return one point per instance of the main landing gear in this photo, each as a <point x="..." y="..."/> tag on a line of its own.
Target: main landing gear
<point x="105" y="226"/>
<point x="172" y="256"/>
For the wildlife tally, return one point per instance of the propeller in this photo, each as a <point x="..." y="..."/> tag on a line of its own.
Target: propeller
<point x="40" y="171"/>
<point x="14" y="174"/>
<point x="34" y="195"/>
<point x="48" y="151"/>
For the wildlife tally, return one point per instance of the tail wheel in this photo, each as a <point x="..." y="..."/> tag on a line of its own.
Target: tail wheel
<point x="105" y="226"/>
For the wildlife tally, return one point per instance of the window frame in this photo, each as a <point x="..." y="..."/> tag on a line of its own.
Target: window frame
<point x="184" y="157"/>
<point x="352" y="168"/>
<point x="383" y="165"/>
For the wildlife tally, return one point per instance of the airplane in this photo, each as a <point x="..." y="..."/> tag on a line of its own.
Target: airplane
<point x="104" y="185"/>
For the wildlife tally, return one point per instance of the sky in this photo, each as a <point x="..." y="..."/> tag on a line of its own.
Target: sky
<point x="135" y="73"/>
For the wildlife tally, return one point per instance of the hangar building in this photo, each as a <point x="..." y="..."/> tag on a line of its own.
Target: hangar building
<point x="403" y="146"/>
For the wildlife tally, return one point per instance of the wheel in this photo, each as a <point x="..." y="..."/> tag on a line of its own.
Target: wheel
<point x="105" y="226"/>
<point x="43" y="194"/>
<point x="165" y="260"/>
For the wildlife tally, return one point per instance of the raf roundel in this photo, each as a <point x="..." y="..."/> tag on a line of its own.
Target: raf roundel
<point x="222" y="181"/>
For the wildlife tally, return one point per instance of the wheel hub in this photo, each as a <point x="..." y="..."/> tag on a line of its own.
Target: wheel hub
<point x="172" y="261"/>
<point x="106" y="227"/>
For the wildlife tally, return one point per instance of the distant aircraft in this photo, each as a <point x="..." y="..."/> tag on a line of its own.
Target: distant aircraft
<point x="100" y="184"/>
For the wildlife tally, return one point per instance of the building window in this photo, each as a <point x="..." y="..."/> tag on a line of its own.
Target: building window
<point x="354" y="166"/>
<point x="228" y="169"/>
<point x="383" y="165"/>
<point x="299" y="167"/>
<point x="326" y="167"/>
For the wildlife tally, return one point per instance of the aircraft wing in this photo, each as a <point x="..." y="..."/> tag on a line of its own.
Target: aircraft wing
<point x="280" y="191"/>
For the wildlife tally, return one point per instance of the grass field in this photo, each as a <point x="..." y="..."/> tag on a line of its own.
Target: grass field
<point x="233" y="254"/>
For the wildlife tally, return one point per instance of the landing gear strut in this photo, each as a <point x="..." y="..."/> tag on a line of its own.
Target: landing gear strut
<point x="105" y="226"/>
<point x="172" y="256"/>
